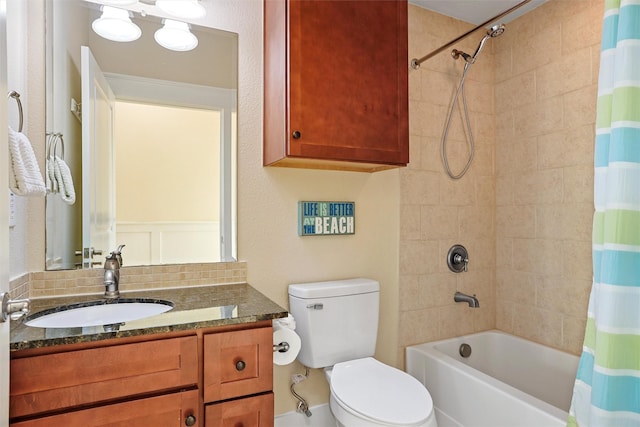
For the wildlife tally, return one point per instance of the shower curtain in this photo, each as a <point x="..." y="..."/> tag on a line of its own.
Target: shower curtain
<point x="607" y="387"/>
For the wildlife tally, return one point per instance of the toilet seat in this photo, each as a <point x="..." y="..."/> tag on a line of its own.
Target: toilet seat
<point x="380" y="393"/>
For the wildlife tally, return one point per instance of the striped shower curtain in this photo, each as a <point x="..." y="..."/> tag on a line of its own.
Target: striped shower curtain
<point x="607" y="387"/>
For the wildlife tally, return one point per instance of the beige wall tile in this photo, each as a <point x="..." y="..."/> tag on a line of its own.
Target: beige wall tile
<point x="419" y="326"/>
<point x="524" y="210"/>
<point x="539" y="325"/>
<point x="578" y="184"/>
<point x="515" y="92"/>
<point x="409" y="222"/>
<point x="419" y="187"/>
<point x="515" y="221"/>
<point x="438" y="222"/>
<point x="504" y="254"/>
<point x="477" y="222"/>
<point x="583" y="28"/>
<point x="430" y="154"/>
<point x="538" y="187"/>
<point x="580" y="106"/>
<point x="567" y="147"/>
<point x="575" y="253"/>
<point x="418" y="257"/>
<point x="539" y="118"/>
<point x="562" y="295"/>
<point x="563" y="76"/>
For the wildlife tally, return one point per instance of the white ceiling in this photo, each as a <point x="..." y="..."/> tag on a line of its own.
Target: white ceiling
<point x="476" y="11"/>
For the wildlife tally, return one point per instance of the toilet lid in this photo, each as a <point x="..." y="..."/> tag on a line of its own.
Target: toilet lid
<point x="380" y="392"/>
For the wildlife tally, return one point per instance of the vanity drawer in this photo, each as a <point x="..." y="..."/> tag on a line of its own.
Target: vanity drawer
<point x="237" y="363"/>
<point x="169" y="410"/>
<point x="248" y="412"/>
<point x="56" y="381"/>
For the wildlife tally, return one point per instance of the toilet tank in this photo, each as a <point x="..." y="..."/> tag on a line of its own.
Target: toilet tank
<point x="336" y="320"/>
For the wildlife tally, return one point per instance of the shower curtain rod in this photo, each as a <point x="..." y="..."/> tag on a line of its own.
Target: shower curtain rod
<point x="415" y="63"/>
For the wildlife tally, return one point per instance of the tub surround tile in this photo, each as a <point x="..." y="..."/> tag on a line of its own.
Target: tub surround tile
<point x="528" y="198"/>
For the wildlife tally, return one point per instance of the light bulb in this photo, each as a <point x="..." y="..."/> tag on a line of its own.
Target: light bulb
<point x="175" y="35"/>
<point x="115" y="24"/>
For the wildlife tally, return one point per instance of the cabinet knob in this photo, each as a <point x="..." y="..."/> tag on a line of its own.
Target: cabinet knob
<point x="240" y="365"/>
<point x="296" y="134"/>
<point x="190" y="420"/>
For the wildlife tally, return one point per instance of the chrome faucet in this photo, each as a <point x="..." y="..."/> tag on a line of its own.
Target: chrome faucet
<point x="471" y="300"/>
<point x="112" y="273"/>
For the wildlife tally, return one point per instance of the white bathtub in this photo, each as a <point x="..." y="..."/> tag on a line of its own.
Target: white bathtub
<point x="507" y="381"/>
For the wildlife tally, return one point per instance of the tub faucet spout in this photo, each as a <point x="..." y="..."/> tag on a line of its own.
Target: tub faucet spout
<point x="471" y="300"/>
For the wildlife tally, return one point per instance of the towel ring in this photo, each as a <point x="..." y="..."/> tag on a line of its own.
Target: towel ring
<point x="15" y="95"/>
<point x="52" y="144"/>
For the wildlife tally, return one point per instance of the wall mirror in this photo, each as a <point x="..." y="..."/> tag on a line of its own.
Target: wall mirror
<point x="141" y="142"/>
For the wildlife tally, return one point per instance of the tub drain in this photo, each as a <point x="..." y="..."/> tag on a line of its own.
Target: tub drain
<point x="465" y="350"/>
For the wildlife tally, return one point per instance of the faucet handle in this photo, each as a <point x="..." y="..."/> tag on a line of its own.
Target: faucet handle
<point x="116" y="255"/>
<point x="118" y="251"/>
<point x="458" y="259"/>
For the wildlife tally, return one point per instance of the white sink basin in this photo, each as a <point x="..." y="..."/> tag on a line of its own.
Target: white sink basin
<point x="98" y="313"/>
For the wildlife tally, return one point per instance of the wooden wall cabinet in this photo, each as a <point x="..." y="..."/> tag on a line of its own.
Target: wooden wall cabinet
<point x="336" y="84"/>
<point x="159" y="380"/>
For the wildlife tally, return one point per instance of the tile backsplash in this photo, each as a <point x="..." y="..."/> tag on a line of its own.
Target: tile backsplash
<point x="71" y="282"/>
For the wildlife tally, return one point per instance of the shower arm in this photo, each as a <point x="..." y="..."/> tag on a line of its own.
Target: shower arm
<point x="415" y="63"/>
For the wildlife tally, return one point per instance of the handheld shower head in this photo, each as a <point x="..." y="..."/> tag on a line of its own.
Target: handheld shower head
<point x="493" y="32"/>
<point x="496" y="30"/>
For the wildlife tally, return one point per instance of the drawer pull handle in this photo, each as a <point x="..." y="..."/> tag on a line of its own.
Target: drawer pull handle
<point x="296" y="134"/>
<point x="240" y="365"/>
<point x="190" y="420"/>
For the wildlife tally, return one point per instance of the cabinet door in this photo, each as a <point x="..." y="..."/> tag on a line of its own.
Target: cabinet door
<point x="169" y="410"/>
<point x="237" y="363"/>
<point x="57" y="381"/>
<point x="348" y="80"/>
<point x="256" y="411"/>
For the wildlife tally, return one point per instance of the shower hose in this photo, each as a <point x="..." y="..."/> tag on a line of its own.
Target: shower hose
<point x="459" y="92"/>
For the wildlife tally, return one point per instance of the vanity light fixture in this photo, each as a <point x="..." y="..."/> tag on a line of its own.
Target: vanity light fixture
<point x="186" y="9"/>
<point x="175" y="35"/>
<point x="115" y="24"/>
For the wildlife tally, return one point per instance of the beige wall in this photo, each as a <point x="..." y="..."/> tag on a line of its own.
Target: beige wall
<point x="546" y="87"/>
<point x="436" y="211"/>
<point x="524" y="210"/>
<point x="531" y="272"/>
<point x="267" y="210"/>
<point x="181" y="151"/>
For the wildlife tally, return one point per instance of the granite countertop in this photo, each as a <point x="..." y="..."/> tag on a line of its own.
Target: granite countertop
<point x="194" y="308"/>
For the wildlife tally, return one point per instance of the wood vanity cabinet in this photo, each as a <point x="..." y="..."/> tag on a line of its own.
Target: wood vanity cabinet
<point x="336" y="84"/>
<point x="168" y="410"/>
<point x="239" y="364"/>
<point x="162" y="380"/>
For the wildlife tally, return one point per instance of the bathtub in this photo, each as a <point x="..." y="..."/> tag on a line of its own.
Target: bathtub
<point x="506" y="381"/>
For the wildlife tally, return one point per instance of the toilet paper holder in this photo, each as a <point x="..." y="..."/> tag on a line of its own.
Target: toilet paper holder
<point x="283" y="347"/>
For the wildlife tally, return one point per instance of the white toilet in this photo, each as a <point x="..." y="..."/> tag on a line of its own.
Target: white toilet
<point x="338" y="324"/>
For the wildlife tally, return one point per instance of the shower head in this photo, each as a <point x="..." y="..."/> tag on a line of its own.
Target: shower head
<point x="493" y="32"/>
<point x="496" y="30"/>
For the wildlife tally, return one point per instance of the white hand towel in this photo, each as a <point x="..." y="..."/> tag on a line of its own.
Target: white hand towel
<point x="25" y="178"/>
<point x="65" y="181"/>
<point x="50" y="178"/>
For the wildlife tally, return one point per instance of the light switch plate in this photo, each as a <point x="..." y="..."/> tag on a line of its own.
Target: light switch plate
<point x="12" y="209"/>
